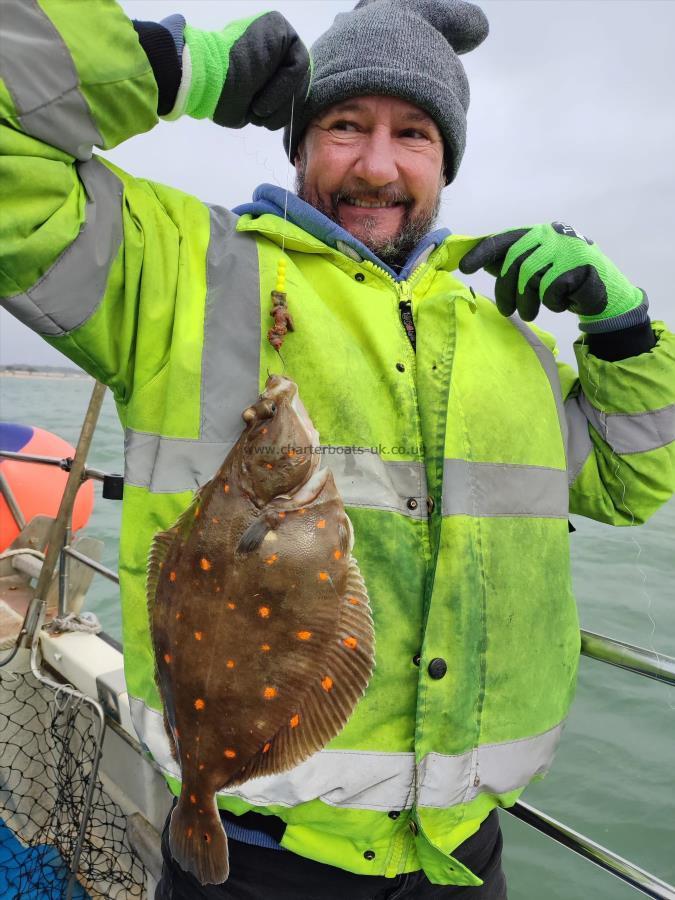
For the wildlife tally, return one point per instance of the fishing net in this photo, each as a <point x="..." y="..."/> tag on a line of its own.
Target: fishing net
<point x="48" y="746"/>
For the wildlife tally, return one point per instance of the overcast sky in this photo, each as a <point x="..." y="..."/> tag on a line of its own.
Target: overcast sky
<point x="572" y="117"/>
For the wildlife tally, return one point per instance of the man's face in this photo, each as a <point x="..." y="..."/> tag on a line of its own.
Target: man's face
<point x="375" y="166"/>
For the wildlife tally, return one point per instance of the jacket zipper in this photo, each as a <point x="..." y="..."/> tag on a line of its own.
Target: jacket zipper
<point x="405" y="308"/>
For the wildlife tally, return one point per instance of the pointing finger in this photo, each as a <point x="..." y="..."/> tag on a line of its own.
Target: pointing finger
<point x="490" y="253"/>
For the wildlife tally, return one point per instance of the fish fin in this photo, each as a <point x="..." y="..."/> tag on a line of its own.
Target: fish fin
<point x="345" y="535"/>
<point x="159" y="550"/>
<point x="161" y="544"/>
<point x="167" y="728"/>
<point x="255" y="534"/>
<point x="333" y="693"/>
<point x="185" y="520"/>
<point x="197" y="839"/>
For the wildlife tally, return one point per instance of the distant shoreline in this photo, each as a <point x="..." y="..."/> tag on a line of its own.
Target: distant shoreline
<point x="19" y="373"/>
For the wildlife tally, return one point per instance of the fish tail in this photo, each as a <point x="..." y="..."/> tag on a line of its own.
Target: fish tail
<point x="197" y="839"/>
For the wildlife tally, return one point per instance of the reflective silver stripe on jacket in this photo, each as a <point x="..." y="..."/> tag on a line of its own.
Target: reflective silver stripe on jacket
<point x="364" y="479"/>
<point x="580" y="443"/>
<point x="71" y="289"/>
<point x="41" y="77"/>
<point x="501" y="489"/>
<point x="445" y="780"/>
<point x="231" y="353"/>
<point x="359" y="779"/>
<point x="632" y="433"/>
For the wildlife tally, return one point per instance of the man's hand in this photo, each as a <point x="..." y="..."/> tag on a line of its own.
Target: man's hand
<point x="557" y="266"/>
<point x="247" y="73"/>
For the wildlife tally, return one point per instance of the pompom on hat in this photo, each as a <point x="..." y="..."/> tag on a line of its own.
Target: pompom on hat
<point x="400" y="48"/>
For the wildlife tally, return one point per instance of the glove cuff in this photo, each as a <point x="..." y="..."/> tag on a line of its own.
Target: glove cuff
<point x="158" y="40"/>
<point x="210" y="60"/>
<point x="630" y="318"/>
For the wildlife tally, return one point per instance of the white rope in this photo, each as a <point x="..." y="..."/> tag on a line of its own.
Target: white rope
<point x="23" y="550"/>
<point x="85" y="622"/>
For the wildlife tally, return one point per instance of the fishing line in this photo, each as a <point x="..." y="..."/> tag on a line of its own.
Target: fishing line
<point x="624" y="490"/>
<point x="288" y="174"/>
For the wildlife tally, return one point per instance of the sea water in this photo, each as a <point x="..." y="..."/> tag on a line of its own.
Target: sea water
<point x="613" y="776"/>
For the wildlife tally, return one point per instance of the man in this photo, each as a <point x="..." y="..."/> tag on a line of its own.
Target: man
<point x="473" y="444"/>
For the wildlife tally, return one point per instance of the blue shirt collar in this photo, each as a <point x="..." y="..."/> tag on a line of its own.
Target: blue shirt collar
<point x="270" y="198"/>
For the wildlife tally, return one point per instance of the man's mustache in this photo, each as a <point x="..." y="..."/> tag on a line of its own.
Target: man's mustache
<point x="384" y="195"/>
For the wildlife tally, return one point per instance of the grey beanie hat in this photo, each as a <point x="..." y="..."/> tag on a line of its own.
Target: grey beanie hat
<point x="401" y="48"/>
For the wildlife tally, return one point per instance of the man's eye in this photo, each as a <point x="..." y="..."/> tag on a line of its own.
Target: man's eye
<point x="343" y="125"/>
<point x="415" y="133"/>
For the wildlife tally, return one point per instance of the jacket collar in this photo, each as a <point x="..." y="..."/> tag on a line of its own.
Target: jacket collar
<point x="269" y="199"/>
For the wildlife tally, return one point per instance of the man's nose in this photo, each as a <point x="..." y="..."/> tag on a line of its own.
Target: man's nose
<point x="377" y="164"/>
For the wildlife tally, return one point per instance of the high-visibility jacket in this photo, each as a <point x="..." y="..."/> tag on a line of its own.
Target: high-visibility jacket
<point x="458" y="463"/>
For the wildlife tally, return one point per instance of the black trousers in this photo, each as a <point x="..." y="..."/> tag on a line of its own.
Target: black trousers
<point x="257" y="873"/>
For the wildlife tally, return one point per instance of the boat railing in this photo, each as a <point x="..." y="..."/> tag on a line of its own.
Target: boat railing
<point x="630" y="657"/>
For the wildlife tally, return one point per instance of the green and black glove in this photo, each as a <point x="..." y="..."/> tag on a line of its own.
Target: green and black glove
<point x="248" y="72"/>
<point x="557" y="266"/>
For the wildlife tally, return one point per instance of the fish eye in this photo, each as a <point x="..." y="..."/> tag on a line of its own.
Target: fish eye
<point x="273" y="408"/>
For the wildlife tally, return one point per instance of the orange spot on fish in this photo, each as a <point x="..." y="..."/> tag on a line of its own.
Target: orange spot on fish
<point x="353" y="600"/>
<point x="215" y="520"/>
<point x="179" y="616"/>
<point x="199" y="635"/>
<point x="266" y="747"/>
<point x="197" y="512"/>
<point x="321" y="523"/>
<point x="263" y="431"/>
<point x="291" y="453"/>
<point x="268" y="466"/>
<point x="172" y="576"/>
<point x="269" y="693"/>
<point x="201" y="766"/>
<point x="193" y="798"/>
<point x="217" y="589"/>
<point x="189" y="832"/>
<point x="187" y="755"/>
<point x="327" y="683"/>
<point x="264" y="612"/>
<point x="272" y="559"/>
<point x="167" y="658"/>
<point x="230" y="664"/>
<point x="302" y="511"/>
<point x="176" y="732"/>
<point x="204" y="564"/>
<point x="265" y="648"/>
<point x="199" y="703"/>
<point x="226" y="488"/>
<point x="350" y="642"/>
<point x="231" y="605"/>
<point x="304" y="635"/>
<point x="337" y="554"/>
<point x="295" y="721"/>
<point x="282" y="514"/>
<point x="323" y="576"/>
<point x="229" y="753"/>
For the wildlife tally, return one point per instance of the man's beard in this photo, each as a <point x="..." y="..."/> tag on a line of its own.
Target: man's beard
<point x="394" y="251"/>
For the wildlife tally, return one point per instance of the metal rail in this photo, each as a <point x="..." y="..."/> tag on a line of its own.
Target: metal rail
<point x="93" y="564"/>
<point x="10" y="499"/>
<point x="64" y="463"/>
<point x="628" y="656"/>
<point x="616" y="865"/>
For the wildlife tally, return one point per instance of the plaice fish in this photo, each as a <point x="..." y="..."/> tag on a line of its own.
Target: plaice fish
<point x="260" y="621"/>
